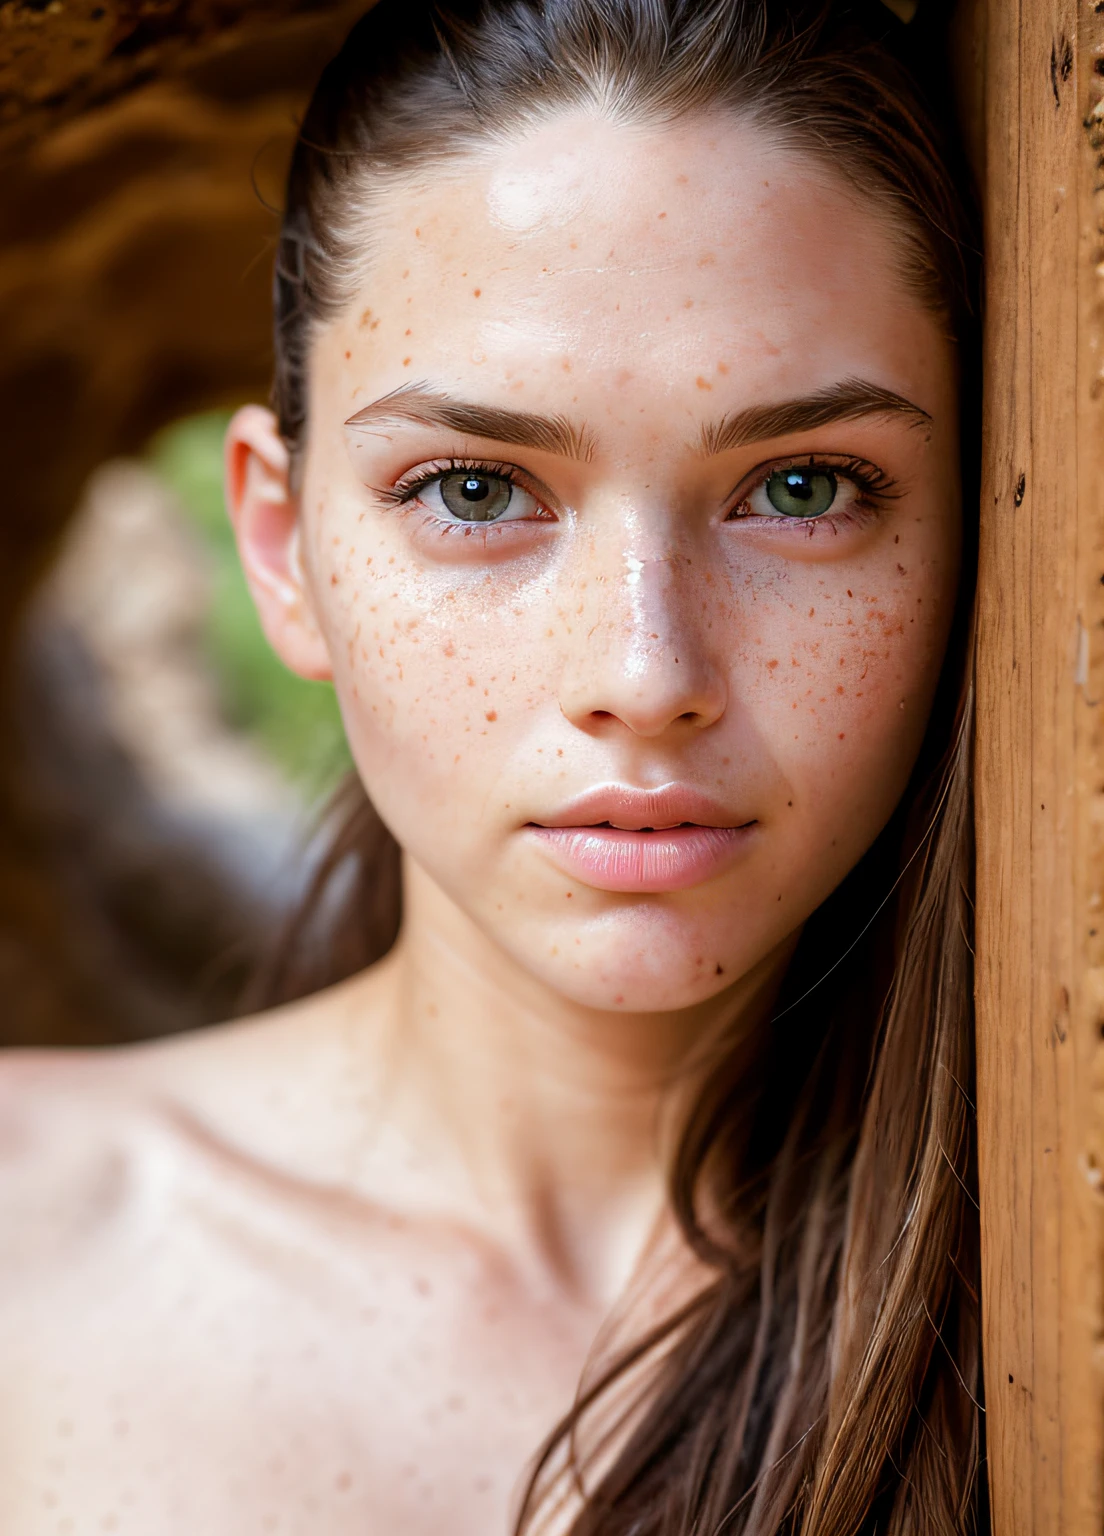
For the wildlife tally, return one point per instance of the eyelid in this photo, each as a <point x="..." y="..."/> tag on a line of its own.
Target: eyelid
<point x="871" y="480"/>
<point x="405" y="489"/>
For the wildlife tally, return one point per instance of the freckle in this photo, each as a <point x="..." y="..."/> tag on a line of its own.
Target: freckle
<point x="811" y="612"/>
<point x="790" y="804"/>
<point x="365" y="317"/>
<point x="477" y="293"/>
<point x="406" y="362"/>
<point x="343" y="1481"/>
<point x="702" y="383"/>
<point x="348" y="355"/>
<point x="406" y="273"/>
<point x="333" y="579"/>
<point x="567" y="895"/>
<point x="708" y="260"/>
<point x="620" y="998"/>
<point x="841" y="733"/>
<point x="719" y="971"/>
<point x="449" y="648"/>
<point x="491" y="714"/>
<point x="722" y="368"/>
<point x="689" y="304"/>
<point x="896" y="538"/>
<point x="849" y="592"/>
<point x="408" y="332"/>
<point x="902" y="570"/>
<point x="772" y="664"/>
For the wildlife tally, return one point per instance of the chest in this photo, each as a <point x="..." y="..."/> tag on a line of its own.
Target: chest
<point x="280" y="1384"/>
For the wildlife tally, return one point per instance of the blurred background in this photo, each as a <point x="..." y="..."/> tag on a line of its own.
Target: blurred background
<point x="159" y="769"/>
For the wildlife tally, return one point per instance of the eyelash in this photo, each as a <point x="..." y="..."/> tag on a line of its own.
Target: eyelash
<point x="405" y="490"/>
<point x="875" y="491"/>
<point x="875" y="488"/>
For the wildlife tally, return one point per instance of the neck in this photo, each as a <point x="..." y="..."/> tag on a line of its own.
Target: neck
<point x="554" y="1117"/>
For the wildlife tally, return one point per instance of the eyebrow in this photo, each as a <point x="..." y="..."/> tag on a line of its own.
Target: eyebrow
<point x="426" y="406"/>
<point x="847" y="400"/>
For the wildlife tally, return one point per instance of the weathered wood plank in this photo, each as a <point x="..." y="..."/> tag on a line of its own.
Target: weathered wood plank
<point x="1040" y="767"/>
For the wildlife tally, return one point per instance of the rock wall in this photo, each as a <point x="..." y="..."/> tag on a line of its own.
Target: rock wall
<point x="139" y="143"/>
<point x="142" y="144"/>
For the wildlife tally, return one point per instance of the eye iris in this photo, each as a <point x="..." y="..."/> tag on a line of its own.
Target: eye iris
<point x="475" y="497"/>
<point x="801" y="492"/>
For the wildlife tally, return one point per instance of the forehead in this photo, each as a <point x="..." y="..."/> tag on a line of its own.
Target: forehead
<point x="686" y="249"/>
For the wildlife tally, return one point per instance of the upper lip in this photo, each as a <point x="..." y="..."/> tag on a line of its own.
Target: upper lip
<point x="638" y="810"/>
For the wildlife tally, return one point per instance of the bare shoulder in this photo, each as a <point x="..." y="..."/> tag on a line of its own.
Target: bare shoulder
<point x="71" y="1125"/>
<point x="90" y="1138"/>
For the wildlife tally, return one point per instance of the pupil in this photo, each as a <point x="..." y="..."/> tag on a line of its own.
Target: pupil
<point x="801" y="491"/>
<point x="474" y="497"/>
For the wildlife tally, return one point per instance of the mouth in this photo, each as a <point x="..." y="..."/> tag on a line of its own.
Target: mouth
<point x="643" y="841"/>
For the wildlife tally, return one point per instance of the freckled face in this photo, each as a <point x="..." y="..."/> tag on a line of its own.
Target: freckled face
<point x="662" y="583"/>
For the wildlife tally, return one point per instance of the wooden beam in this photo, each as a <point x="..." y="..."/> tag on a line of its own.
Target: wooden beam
<point x="1040" y="768"/>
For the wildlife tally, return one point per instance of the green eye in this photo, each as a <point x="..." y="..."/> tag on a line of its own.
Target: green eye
<point x="474" y="495"/>
<point x="806" y="491"/>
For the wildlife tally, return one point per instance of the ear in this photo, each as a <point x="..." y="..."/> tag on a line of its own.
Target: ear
<point x="265" y="515"/>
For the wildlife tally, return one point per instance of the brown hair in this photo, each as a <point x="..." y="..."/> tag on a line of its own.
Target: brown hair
<point x="826" y="1382"/>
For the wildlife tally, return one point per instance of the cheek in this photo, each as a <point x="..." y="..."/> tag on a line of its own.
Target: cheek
<point x="439" y="672"/>
<point x="842" y="675"/>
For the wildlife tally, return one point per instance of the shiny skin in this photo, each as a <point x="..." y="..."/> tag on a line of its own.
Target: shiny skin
<point x="339" y="1268"/>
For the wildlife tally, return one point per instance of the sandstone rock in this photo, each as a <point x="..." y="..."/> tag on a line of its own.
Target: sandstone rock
<point x="142" y="147"/>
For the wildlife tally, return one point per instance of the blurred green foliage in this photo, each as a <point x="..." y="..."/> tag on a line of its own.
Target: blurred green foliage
<point x="296" y="722"/>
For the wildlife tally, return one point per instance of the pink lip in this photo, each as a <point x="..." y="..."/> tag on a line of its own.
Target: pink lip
<point x="621" y="839"/>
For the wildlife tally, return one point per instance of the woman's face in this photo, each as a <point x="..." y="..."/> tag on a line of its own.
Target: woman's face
<point x="632" y="468"/>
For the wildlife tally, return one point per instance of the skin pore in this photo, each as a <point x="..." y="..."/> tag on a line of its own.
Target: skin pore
<point x="340" y="1268"/>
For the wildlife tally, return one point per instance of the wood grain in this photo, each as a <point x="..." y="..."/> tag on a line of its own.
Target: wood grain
<point x="1040" y="767"/>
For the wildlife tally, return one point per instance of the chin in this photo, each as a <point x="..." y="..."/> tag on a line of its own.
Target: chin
<point x="607" y="991"/>
<point x="652" y="966"/>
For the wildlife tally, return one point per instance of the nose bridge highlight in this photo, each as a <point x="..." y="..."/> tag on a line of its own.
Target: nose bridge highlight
<point x="643" y="657"/>
<point x="651" y="604"/>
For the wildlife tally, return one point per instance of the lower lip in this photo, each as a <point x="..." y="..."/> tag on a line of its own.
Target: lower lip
<point x="673" y="859"/>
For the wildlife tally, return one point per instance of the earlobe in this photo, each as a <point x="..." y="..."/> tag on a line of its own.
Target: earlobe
<point x="265" y="515"/>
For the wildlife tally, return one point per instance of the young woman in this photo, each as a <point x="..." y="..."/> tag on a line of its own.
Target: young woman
<point x="623" y="348"/>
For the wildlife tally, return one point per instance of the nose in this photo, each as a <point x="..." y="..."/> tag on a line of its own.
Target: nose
<point x="642" y="656"/>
